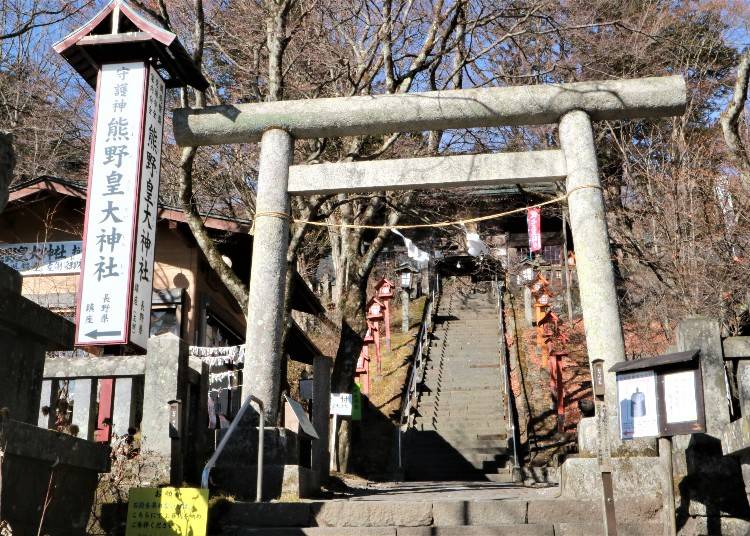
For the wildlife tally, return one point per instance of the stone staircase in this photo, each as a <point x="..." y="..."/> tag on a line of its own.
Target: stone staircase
<point x="455" y="459"/>
<point x="460" y="431"/>
<point x="408" y="516"/>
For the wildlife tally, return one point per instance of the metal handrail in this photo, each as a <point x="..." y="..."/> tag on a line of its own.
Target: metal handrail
<point x="417" y="368"/>
<point x="205" y="476"/>
<point x="500" y="289"/>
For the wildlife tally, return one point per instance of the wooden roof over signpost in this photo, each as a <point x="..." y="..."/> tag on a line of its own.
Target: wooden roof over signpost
<point x="121" y="32"/>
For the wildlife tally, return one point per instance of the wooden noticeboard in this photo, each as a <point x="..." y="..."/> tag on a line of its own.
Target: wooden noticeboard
<point x="167" y="512"/>
<point x="660" y="396"/>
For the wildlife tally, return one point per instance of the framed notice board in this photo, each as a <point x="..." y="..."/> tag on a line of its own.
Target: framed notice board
<point x="660" y="396"/>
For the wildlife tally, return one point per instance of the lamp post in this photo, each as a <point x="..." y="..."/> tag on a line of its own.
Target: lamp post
<point x="405" y="276"/>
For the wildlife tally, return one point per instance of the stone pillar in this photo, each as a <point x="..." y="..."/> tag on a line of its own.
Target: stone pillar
<point x="704" y="334"/>
<point x="123" y="406"/>
<point x="84" y="415"/>
<point x="404" y="311"/>
<point x="743" y="385"/>
<point x="268" y="273"/>
<point x="165" y="379"/>
<point x="321" y="407"/>
<point x="596" y="281"/>
<point x="528" y="307"/>
<point x="47" y="401"/>
<point x="27" y="331"/>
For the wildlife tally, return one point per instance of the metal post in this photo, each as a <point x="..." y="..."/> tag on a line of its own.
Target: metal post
<point x="566" y="270"/>
<point x="268" y="272"/>
<point x="596" y="280"/>
<point x="665" y="456"/>
<point x="605" y="469"/>
<point x="261" y="436"/>
<point x="334" y="451"/>
<point x="206" y="474"/>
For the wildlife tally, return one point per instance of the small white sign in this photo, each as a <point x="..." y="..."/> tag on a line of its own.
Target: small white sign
<point x="636" y="395"/>
<point x="341" y="404"/>
<point x="49" y="258"/>
<point x="103" y="312"/>
<point x="679" y="397"/>
<point x="145" y="239"/>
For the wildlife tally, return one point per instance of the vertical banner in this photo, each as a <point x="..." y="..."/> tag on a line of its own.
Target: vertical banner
<point x="147" y="208"/>
<point x="534" y="223"/>
<point x="119" y="224"/>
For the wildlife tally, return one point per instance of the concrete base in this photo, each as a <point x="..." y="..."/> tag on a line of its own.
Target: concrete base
<point x="33" y="461"/>
<point x="636" y="476"/>
<point x="283" y="476"/>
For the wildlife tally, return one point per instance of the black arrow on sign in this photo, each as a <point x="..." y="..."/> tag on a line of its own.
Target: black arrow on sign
<point x="96" y="334"/>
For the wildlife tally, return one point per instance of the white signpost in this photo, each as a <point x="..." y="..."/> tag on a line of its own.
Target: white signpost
<point x="116" y="279"/>
<point x="147" y="207"/>
<point x="341" y="404"/>
<point x="49" y="258"/>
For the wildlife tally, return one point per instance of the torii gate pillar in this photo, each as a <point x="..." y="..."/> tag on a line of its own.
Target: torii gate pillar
<point x="266" y="302"/>
<point x="596" y="279"/>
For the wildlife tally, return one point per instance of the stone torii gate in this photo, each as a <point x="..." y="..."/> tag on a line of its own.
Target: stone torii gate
<point x="574" y="106"/>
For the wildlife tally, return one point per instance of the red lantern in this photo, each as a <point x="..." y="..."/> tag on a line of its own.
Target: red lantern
<point x="375" y="310"/>
<point x="369" y="339"/>
<point x="384" y="292"/>
<point x="362" y="374"/>
<point x="384" y="289"/>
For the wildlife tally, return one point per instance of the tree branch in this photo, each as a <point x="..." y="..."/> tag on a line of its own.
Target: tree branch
<point x="730" y="119"/>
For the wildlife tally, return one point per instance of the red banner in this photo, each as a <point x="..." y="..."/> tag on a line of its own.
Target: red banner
<point x="534" y="223"/>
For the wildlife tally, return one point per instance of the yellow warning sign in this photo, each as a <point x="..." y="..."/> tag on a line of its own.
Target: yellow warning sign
<point x="167" y="512"/>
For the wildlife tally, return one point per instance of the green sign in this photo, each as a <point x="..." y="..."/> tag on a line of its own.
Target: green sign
<point x="167" y="512"/>
<point x="356" y="403"/>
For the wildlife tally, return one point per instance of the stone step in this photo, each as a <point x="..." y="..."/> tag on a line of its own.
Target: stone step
<point x="503" y="476"/>
<point x="455" y="430"/>
<point x="460" y="415"/>
<point x="477" y="394"/>
<point x="462" y="397"/>
<point x="525" y="530"/>
<point x="463" y="379"/>
<point x="481" y="407"/>
<point x="457" y="436"/>
<point x="448" y="386"/>
<point x="443" y="462"/>
<point x="468" y="389"/>
<point x="573" y="517"/>
<point x="460" y="443"/>
<point x="467" y="423"/>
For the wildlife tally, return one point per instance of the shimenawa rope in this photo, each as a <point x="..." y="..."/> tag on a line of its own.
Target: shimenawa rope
<point x="283" y="215"/>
